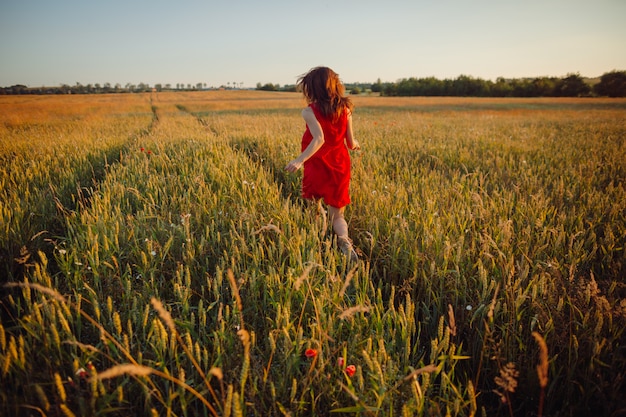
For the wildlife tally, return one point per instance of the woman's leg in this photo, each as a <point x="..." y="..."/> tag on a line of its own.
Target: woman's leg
<point x="340" y="226"/>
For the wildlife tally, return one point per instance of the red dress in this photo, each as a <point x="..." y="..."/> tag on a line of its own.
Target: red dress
<point x="327" y="172"/>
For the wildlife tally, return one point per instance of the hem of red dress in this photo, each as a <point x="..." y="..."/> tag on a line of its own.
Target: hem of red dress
<point x="332" y="203"/>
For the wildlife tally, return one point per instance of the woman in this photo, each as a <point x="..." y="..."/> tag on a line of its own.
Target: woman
<point x="325" y="145"/>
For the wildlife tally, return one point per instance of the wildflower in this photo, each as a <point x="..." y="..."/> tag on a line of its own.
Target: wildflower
<point x="340" y="362"/>
<point x="468" y="307"/>
<point x="310" y="353"/>
<point x="82" y="373"/>
<point x="350" y="370"/>
<point x="142" y="149"/>
<point x="153" y="253"/>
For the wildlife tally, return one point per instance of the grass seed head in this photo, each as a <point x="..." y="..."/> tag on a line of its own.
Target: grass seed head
<point x="124" y="369"/>
<point x="542" y="367"/>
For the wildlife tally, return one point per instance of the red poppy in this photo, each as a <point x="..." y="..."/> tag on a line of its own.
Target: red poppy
<point x="310" y="353"/>
<point x="142" y="149"/>
<point x="340" y="362"/>
<point x="351" y="370"/>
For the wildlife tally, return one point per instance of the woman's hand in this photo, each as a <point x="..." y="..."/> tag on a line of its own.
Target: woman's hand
<point x="293" y="166"/>
<point x="354" y="145"/>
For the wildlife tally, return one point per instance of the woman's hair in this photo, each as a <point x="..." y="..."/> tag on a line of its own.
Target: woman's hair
<point x="322" y="86"/>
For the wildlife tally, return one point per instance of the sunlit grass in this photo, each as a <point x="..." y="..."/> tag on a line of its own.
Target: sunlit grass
<point x="163" y="262"/>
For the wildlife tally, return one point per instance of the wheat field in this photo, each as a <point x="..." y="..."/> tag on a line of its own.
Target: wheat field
<point x="158" y="260"/>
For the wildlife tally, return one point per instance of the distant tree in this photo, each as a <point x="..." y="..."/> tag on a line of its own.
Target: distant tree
<point x="390" y="89"/>
<point x="612" y="84"/>
<point x="268" y="87"/>
<point x="19" y="89"/>
<point x="543" y="87"/>
<point x="501" y="88"/>
<point x="377" y="87"/>
<point x="572" y="86"/>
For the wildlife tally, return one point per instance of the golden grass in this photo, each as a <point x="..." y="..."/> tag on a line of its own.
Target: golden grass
<point x="23" y="110"/>
<point x="159" y="232"/>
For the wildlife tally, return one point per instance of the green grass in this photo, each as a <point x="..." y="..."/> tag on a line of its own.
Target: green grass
<point x="161" y="261"/>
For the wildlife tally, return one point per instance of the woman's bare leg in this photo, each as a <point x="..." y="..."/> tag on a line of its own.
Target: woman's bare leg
<point x="340" y="226"/>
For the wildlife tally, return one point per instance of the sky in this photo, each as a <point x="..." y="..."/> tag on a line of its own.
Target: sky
<point x="245" y="42"/>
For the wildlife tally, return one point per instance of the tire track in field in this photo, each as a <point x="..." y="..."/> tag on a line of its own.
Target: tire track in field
<point x="288" y="185"/>
<point x="209" y="127"/>
<point x="72" y="197"/>
<point x="19" y="257"/>
<point x="102" y="162"/>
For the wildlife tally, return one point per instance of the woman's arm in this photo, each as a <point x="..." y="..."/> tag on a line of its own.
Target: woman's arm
<point x="352" y="143"/>
<point x="318" y="140"/>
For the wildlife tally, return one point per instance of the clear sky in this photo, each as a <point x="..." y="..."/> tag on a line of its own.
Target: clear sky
<point x="53" y="42"/>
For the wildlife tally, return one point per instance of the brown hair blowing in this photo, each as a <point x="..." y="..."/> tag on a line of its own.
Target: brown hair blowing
<point x="322" y="86"/>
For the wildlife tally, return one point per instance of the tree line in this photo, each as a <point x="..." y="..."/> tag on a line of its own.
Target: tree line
<point x="610" y="84"/>
<point x="106" y="88"/>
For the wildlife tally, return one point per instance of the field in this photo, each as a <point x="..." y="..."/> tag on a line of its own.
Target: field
<point x="158" y="260"/>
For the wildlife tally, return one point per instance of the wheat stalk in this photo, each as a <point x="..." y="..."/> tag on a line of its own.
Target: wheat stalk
<point x="542" y="368"/>
<point x="235" y="292"/>
<point x="452" y="325"/>
<point x="349" y="312"/>
<point x="346" y="283"/>
<point x="167" y="318"/>
<point x="144" y="371"/>
<point x="125" y="369"/>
